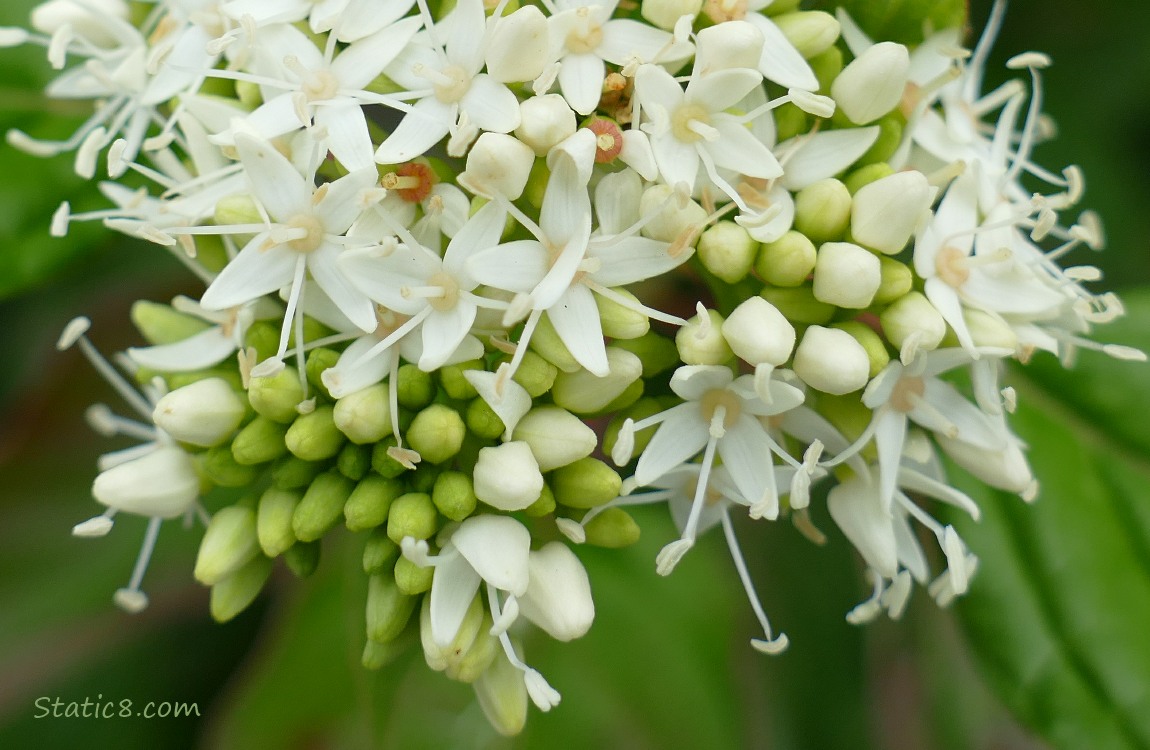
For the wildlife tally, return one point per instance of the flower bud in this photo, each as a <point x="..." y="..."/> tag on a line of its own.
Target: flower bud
<point x="544" y="506"/>
<point x="291" y="473"/>
<point x="364" y="416"/>
<point x="220" y="467"/>
<point x="379" y="553"/>
<point x="913" y="316"/>
<point x="846" y="275"/>
<point x="897" y="280"/>
<point x="664" y="13"/>
<point x="277" y="397"/>
<point x="302" y="558"/>
<point x="1004" y="468"/>
<point x="558" y="599"/>
<point x="859" y="510"/>
<point x="388" y="610"/>
<point x="885" y="213"/>
<point x="614" y="528"/>
<point x="237" y="209"/>
<point x="233" y="594"/>
<point x="354" y="461"/>
<point x="889" y="139"/>
<point x="798" y="304"/>
<point x="870" y="341"/>
<point x="88" y="18"/>
<point x="382" y="462"/>
<point x="261" y="440"/>
<point x="544" y="121"/>
<point x="439" y="657"/>
<point x="318" y="362"/>
<point x="647" y="407"/>
<point x="547" y="344"/>
<point x="831" y="361"/>
<point x="517" y="47"/>
<point x="411" y="579"/>
<point x="584" y="393"/>
<point x="585" y="483"/>
<point x="162" y="324"/>
<point x="535" y="374"/>
<point x="412" y="514"/>
<point x="735" y="44"/>
<point x="497" y="164"/>
<point x="873" y="83"/>
<point x="454" y="382"/>
<point x="810" y="32"/>
<point x="414" y="388"/>
<point x="228" y="544"/>
<point x="507" y="476"/>
<point x="758" y="333"/>
<point x="556" y="436"/>
<point x="701" y="341"/>
<point x="727" y="250"/>
<point x="657" y="352"/>
<point x="787" y="261"/>
<point x="321" y="506"/>
<point x="368" y="504"/>
<point x="437" y="433"/>
<point x="453" y="495"/>
<point x="482" y="421"/>
<point x="274" y="520"/>
<point x="160" y="484"/>
<point x="673" y="219"/>
<point x="378" y="655"/>
<point x="989" y="330"/>
<point x="501" y="690"/>
<point x="314" y="437"/>
<point x="619" y="321"/>
<point x="823" y="210"/>
<point x="863" y="176"/>
<point x="479" y="656"/>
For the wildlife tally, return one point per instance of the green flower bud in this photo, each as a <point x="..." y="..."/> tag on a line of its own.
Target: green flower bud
<point x="388" y="610"/>
<point x="507" y="477"/>
<point x="237" y="209"/>
<point x="790" y="121"/>
<point x="382" y="463"/>
<point x="846" y="275"/>
<point x="482" y="420"/>
<point x="556" y="436"/>
<point x="477" y="659"/>
<point x="500" y="689"/>
<point x="414" y="515"/>
<point x="411" y="579"/>
<point x="864" y="176"/>
<point x="292" y="473"/>
<point x="647" y="407"/>
<point x="546" y="343"/>
<point x="799" y="305"/>
<point x="823" y="210"/>
<point x="873" y="83"/>
<point x="378" y="655"/>
<point x="871" y="342"/>
<point x="379" y="552"/>
<point x="897" y="280"/>
<point x="415" y="387"/>
<point x="274" y="520"/>
<point x="260" y="441"/>
<point x="613" y="528"/>
<point x="454" y="384"/>
<point x="788" y="261"/>
<point x="364" y="416"/>
<point x="811" y="32"/>
<point x="453" y="495"/>
<point x="354" y="461"/>
<point x="204" y="413"/>
<point x="221" y="468"/>
<point x="674" y="221"/>
<point x="302" y="558"/>
<point x="701" y="342"/>
<point x="161" y="324"/>
<point x="319" y="360"/>
<point x="277" y="397"/>
<point x="229" y="542"/>
<point x="663" y="14"/>
<point x="727" y="250"/>
<point x="543" y="506"/>
<point x="585" y="483"/>
<point x="437" y="433"/>
<point x="827" y="65"/>
<point x="630" y="395"/>
<point x="913" y="316"/>
<point x="780" y="7"/>
<point x="849" y="416"/>
<point x="321" y="506"/>
<point x="888" y="141"/>
<point x="368" y="504"/>
<point x="655" y="351"/>
<point x="233" y="594"/>
<point x="584" y="393"/>
<point x="314" y="436"/>
<point x="619" y="321"/>
<point x="439" y="657"/>
<point x="989" y="330"/>
<point x="535" y="374"/>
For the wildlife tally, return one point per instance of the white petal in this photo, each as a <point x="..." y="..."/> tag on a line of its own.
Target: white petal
<point x="780" y="61"/>
<point x="722" y="89"/>
<point x="322" y="263"/>
<point x="421" y="128"/>
<point x="347" y="136"/>
<point x="625" y="39"/>
<point x="276" y="183"/>
<point x="498" y="548"/>
<point x="581" y="81"/>
<point x="746" y="453"/>
<point x="738" y="150"/>
<point x="491" y="105"/>
<point x="452" y="590"/>
<point x="576" y="320"/>
<point x="681" y="435"/>
<point x="558" y="599"/>
<point x="809" y="158"/>
<point x="633" y="259"/>
<point x="360" y="63"/>
<point x="513" y="266"/>
<point x="857" y="509"/>
<point x="443" y="332"/>
<point x="198" y="352"/>
<point x="691" y="382"/>
<point x="509" y="406"/>
<point x="251" y="274"/>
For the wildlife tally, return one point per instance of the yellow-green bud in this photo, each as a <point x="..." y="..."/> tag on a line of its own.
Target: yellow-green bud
<point x="437" y="433"/>
<point x="237" y="209"/>
<point x="701" y="342"/>
<point x="382" y="463"/>
<point x="827" y="65"/>
<point x="888" y="141"/>
<point x="873" y="83"/>
<point x="292" y="473"/>
<point x="846" y="275"/>
<point x="727" y="250"/>
<point x="849" y="416"/>
<point x="274" y="520"/>
<point x="378" y="655"/>
<point x="261" y="440"/>
<point x="673" y="221"/>
<point x="799" y="305"/>
<point x="780" y="7"/>
<point x="788" y="261"/>
<point x="913" y="316"/>
<point x="220" y="467"/>
<point x="354" y="461"/>
<point x="556" y="436"/>
<point x="482" y="420"/>
<point x="478" y="657"/>
<point x="411" y="579"/>
<point x="897" y="280"/>
<point x="831" y="361"/>
<point x="277" y="397"/>
<point x="264" y="338"/>
<point x="790" y="121"/>
<point x="989" y="330"/>
<point x="379" y="552"/>
<point x="664" y="14"/>
<point x="544" y="506"/>
<point x="823" y="210"/>
<point x="319" y="360"/>
<point x="507" y="477"/>
<point x="864" y="176"/>
<point x="368" y="504"/>
<point x="233" y="594"/>
<point x="619" y="321"/>
<point x="414" y="515"/>
<point x="388" y="610"/>
<point x="229" y="542"/>
<point x="886" y="212"/>
<point x="655" y="351"/>
<point x="647" y="407"/>
<point x="454" y="384"/>
<point x="439" y="657"/>
<point x="547" y="344"/>
<point x="454" y="495"/>
<point x="314" y="436"/>
<point x="302" y="558"/>
<point x="535" y="374"/>
<point x="161" y="324"/>
<point x="364" y="416"/>
<point x="811" y="32"/>
<point x="585" y="483"/>
<point x="500" y="689"/>
<point x="871" y="342"/>
<point x="613" y="528"/>
<point x="321" y="506"/>
<point x="415" y="387"/>
<point x="584" y="393"/>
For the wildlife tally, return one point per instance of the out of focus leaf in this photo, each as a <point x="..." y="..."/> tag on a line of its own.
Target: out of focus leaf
<point x="901" y="20"/>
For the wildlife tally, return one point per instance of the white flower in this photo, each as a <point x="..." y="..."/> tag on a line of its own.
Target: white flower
<point x="210" y="346"/>
<point x="348" y="20"/>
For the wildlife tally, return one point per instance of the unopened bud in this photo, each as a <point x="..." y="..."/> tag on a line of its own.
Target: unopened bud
<point x="673" y="219"/>
<point x="544" y="506"/>
<point x="810" y="32"/>
<point x="364" y="416"/>
<point x="584" y="393"/>
<point x="221" y="468"/>
<point x="823" y="210"/>
<point x="482" y="421"/>
<point x="886" y="212"/>
<point x="735" y="44"/>
<point x="292" y="473"/>
<point x="620" y="321"/>
<point x="870" y="341"/>
<point x="368" y="504"/>
<point x="228" y="544"/>
<point x="864" y="176"/>
<point x="507" y="476"/>
<point x="274" y="520"/>
<point x="321" y="506"/>
<point x="237" y="209"/>
<point x="989" y="330"/>
<point x="788" y="261"/>
<point x="701" y="341"/>
<point x="585" y="483"/>
<point x="412" y="514"/>
<point x="727" y="250"/>
<point x="437" y="433"/>
<point x="614" y="528"/>
<point x="411" y="579"/>
<point x="388" y="610"/>
<point x="556" y="436"/>
<point x="544" y="121"/>
<point x="160" y="484"/>
<point x="897" y="280"/>
<point x="831" y="361"/>
<point x="501" y="690"/>
<point x="664" y="13"/>
<point x="379" y="553"/>
<point x="277" y="397"/>
<point x="517" y="46"/>
<point x="414" y="388"/>
<point x="558" y="599"/>
<point x="261" y="440"/>
<point x="453" y="380"/>
<point x="913" y="316"/>
<point x="535" y="374"/>
<point x="302" y="558"/>
<point x="546" y="342"/>
<point x="846" y="275"/>
<point x="873" y="83"/>
<point x="233" y="594"/>
<point x="453" y="495"/>
<point x="314" y="436"/>
<point x="497" y="164"/>
<point x="758" y="333"/>
<point x="162" y="324"/>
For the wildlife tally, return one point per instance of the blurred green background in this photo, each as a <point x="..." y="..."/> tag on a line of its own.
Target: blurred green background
<point x="1048" y="651"/>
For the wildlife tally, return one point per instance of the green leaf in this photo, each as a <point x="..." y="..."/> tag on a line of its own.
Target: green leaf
<point x="1058" y="613"/>
<point x="901" y="20"/>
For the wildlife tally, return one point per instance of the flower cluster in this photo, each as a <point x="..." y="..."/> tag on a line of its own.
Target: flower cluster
<point x="424" y="231"/>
